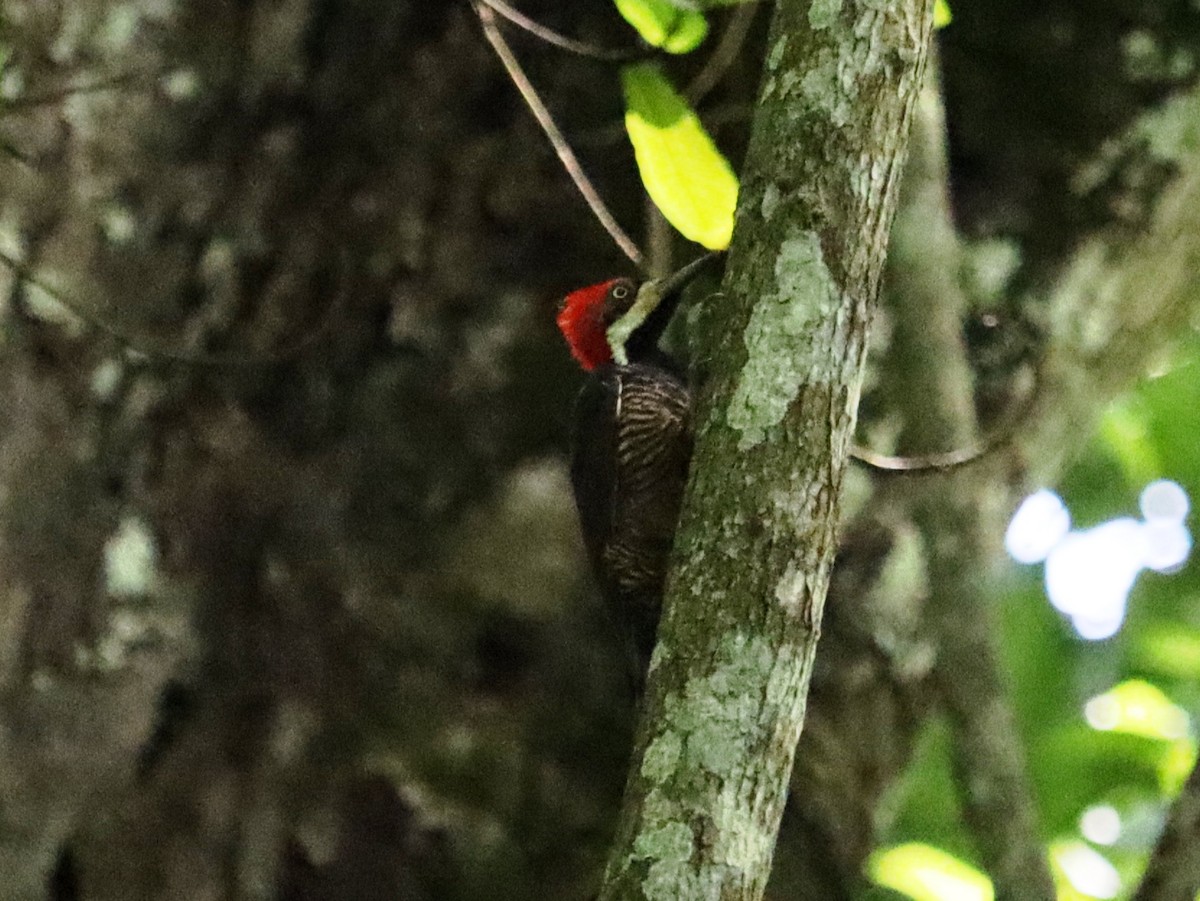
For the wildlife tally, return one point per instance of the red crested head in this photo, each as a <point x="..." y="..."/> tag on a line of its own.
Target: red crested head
<point x="581" y="321"/>
<point x="586" y="315"/>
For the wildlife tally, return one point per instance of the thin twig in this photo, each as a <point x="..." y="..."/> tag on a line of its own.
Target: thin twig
<point x="559" y="40"/>
<point x="727" y="49"/>
<point x="944" y="461"/>
<point x="566" y="155"/>
<point x="660" y="238"/>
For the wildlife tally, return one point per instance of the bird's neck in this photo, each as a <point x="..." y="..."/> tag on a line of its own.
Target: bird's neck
<point x="642" y="345"/>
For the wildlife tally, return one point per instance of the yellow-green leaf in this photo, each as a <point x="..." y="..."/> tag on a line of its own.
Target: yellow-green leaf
<point x="1176" y="765"/>
<point x="1168" y="649"/>
<point x="683" y="171"/>
<point x="1137" y="708"/>
<point x="925" y="873"/>
<point x="1125" y="428"/>
<point x="941" y="14"/>
<point x="664" y="25"/>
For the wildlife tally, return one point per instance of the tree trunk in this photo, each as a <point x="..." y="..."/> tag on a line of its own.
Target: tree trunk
<point x="783" y="350"/>
<point x="292" y="603"/>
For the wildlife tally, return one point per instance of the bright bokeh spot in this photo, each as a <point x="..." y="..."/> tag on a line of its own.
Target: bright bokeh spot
<point x="1090" y="573"/>
<point x="1164" y="499"/>
<point x="925" y="873"/>
<point x="1038" y="525"/>
<point x="1137" y="708"/>
<point x="1102" y="713"/>
<point x="1100" y="824"/>
<point x="130" y="556"/>
<point x="1087" y="870"/>
<point x="1168" y="544"/>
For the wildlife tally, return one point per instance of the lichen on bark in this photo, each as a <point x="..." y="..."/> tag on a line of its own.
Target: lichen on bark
<point x="779" y="338"/>
<point x="783" y="352"/>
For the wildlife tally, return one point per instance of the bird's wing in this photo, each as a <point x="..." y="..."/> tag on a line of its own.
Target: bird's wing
<point x="593" y="460"/>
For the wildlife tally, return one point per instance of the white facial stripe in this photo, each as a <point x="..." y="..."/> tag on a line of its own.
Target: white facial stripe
<point x="648" y="298"/>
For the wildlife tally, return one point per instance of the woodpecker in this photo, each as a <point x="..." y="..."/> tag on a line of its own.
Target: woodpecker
<point x="632" y="442"/>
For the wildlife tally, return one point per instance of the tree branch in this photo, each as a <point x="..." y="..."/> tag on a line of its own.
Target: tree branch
<point x="1174" y="869"/>
<point x="1119" y="307"/>
<point x="727" y="50"/>
<point x="1122" y="303"/>
<point x="727" y="686"/>
<point x="931" y="381"/>
<point x="561" y="41"/>
<point x="562" y="148"/>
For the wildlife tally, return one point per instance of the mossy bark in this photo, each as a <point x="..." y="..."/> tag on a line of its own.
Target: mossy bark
<point x="781" y="353"/>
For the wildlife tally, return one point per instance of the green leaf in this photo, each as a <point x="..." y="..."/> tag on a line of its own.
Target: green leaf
<point x="664" y="25"/>
<point x="1171" y="649"/>
<point x="684" y="173"/>
<point x="925" y="873"/>
<point x="1176" y="765"/>
<point x="1136" y="707"/>
<point x="941" y="14"/>
<point x="1126" y="431"/>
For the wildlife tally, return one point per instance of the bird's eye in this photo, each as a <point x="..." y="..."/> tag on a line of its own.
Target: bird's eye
<point x="620" y="292"/>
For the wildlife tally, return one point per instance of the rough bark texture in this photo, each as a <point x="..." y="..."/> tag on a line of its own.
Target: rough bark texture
<point x="348" y="567"/>
<point x="319" y="628"/>
<point x="775" y="410"/>
<point x="1064" y="264"/>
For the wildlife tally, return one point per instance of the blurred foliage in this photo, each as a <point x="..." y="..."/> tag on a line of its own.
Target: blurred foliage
<point x="1142" y="682"/>
<point x="927" y="874"/>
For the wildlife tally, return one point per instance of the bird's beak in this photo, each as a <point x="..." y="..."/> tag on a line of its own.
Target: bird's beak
<point x="651" y="293"/>
<point x="679" y="280"/>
